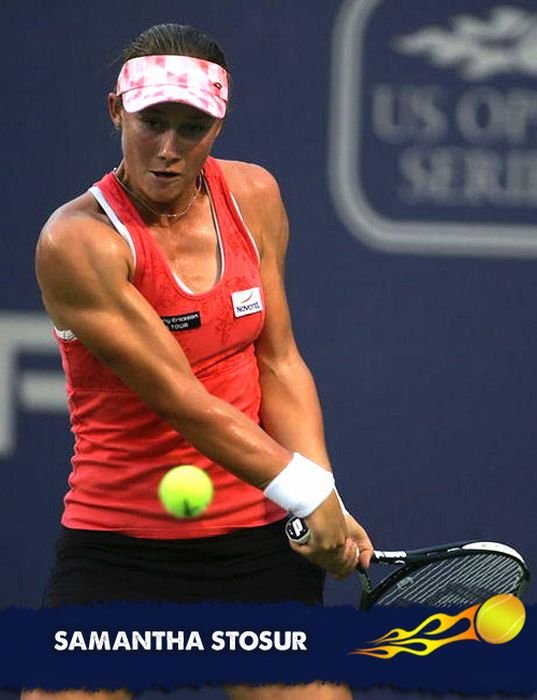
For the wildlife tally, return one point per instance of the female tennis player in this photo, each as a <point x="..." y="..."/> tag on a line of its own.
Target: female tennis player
<point x="164" y="283"/>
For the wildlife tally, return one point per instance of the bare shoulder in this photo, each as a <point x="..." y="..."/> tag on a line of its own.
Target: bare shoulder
<point x="258" y="196"/>
<point x="248" y="180"/>
<point x="76" y="215"/>
<point x="77" y="227"/>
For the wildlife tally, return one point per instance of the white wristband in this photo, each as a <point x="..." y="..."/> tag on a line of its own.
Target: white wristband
<point x="301" y="486"/>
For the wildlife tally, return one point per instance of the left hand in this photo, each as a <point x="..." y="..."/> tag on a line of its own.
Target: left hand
<point x="357" y="534"/>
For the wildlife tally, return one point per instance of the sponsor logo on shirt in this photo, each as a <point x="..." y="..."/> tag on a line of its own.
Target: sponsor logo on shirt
<point x="182" y="322"/>
<point x="247" y="302"/>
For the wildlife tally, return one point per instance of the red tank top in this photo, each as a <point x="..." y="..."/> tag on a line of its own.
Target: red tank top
<point x="122" y="448"/>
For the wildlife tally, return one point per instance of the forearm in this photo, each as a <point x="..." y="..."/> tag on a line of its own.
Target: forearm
<point x="231" y="439"/>
<point x="297" y="484"/>
<point x="223" y="433"/>
<point x="290" y="408"/>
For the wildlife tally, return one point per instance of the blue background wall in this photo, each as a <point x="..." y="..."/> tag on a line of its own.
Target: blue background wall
<point x="425" y="364"/>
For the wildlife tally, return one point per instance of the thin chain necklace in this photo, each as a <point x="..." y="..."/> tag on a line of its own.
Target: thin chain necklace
<point x="178" y="215"/>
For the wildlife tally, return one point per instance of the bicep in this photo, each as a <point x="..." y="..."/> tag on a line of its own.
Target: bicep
<point x="276" y="341"/>
<point x="86" y="289"/>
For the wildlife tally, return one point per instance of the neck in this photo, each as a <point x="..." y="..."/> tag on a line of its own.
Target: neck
<point x="164" y="212"/>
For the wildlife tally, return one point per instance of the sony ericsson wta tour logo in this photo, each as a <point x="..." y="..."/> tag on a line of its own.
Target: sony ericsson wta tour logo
<point x="433" y="126"/>
<point x="498" y="620"/>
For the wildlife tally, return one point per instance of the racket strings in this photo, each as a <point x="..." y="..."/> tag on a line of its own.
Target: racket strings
<point x="458" y="581"/>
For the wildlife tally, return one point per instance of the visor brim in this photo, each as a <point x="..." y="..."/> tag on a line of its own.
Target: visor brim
<point x="141" y="98"/>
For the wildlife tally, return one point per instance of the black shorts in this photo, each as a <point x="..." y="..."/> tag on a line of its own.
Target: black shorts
<point x="250" y="565"/>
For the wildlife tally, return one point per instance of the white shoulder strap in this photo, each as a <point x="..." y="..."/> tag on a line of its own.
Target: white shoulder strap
<point x="245" y="227"/>
<point x="114" y="219"/>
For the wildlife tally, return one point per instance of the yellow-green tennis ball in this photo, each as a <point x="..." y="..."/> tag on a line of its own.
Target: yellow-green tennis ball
<point x="500" y="618"/>
<point x="185" y="491"/>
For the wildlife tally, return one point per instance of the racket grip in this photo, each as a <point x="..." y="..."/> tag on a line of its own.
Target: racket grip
<point x="297" y="530"/>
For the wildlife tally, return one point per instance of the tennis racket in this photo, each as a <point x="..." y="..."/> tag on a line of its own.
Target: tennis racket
<point x="448" y="575"/>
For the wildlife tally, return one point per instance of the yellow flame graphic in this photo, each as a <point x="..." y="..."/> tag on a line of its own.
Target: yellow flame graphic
<point x="496" y="621"/>
<point x="424" y="639"/>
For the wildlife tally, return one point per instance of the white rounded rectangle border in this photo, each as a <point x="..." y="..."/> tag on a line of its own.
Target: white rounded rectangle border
<point x="360" y="218"/>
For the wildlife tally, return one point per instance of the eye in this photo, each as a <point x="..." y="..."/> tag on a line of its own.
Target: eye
<point x="194" y="129"/>
<point x="153" y="123"/>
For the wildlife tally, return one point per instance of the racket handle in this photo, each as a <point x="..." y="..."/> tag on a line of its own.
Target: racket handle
<point x="297" y="530"/>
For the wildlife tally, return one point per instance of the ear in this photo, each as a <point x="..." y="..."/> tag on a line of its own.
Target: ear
<point x="219" y="127"/>
<point x="115" y="109"/>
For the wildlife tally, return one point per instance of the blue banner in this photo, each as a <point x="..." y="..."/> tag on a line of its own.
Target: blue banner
<point x="140" y="646"/>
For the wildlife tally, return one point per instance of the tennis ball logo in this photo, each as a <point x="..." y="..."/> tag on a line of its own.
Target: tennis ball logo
<point x="500" y="619"/>
<point x="185" y="491"/>
<point x="496" y="621"/>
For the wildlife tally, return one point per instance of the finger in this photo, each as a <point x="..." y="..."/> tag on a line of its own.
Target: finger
<point x="303" y="549"/>
<point x="365" y="557"/>
<point x="350" y="558"/>
<point x="353" y="552"/>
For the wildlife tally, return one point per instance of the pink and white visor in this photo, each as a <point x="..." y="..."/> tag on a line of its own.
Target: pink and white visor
<point x="148" y="80"/>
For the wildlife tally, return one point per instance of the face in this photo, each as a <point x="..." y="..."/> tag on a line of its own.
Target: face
<point x="164" y="146"/>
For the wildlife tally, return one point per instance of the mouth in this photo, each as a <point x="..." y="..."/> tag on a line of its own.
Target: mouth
<point x="164" y="174"/>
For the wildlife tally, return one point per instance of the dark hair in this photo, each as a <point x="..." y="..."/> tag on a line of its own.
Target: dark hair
<point x="175" y="39"/>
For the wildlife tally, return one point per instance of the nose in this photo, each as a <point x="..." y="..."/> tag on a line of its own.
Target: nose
<point x="169" y="148"/>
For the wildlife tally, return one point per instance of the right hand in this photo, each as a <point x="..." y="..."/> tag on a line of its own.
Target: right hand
<point x="329" y="546"/>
